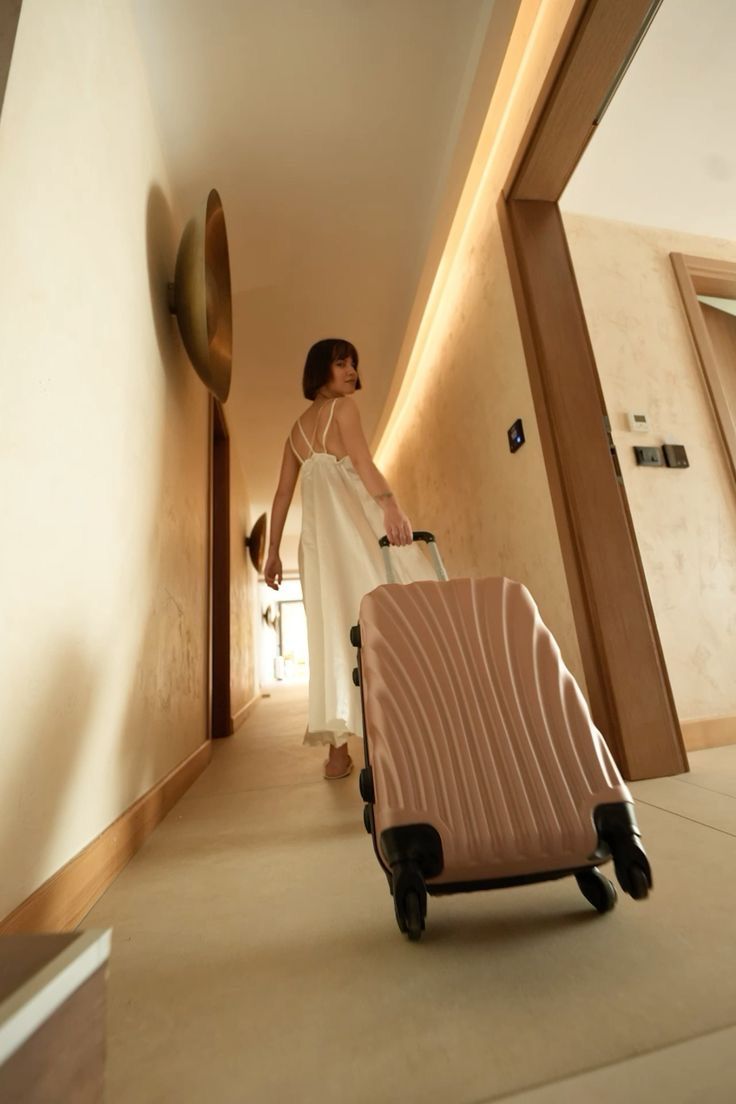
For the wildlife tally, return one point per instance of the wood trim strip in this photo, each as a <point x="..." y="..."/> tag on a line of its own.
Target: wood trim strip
<point x="244" y="712"/>
<point x="710" y="276"/>
<point x="709" y="732"/>
<point x="62" y="901"/>
<point x="598" y="692"/>
<point x="604" y="39"/>
<point x="699" y="276"/>
<point x="576" y="14"/>
<point x="643" y="730"/>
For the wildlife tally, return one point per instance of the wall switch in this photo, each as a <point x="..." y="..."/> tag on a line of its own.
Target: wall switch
<point x="648" y="457"/>
<point x="675" y="456"/>
<point x="638" y="423"/>
<point x="516" y="435"/>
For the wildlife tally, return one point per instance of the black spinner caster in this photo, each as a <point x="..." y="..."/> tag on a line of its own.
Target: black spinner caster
<point x="597" y="889"/>
<point x="410" y="899"/>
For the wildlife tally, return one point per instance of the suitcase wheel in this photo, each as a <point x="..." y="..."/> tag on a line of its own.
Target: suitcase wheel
<point x="410" y="899"/>
<point x="597" y="889"/>
<point x="638" y="882"/>
<point x="355" y="636"/>
<point x="365" y="784"/>
<point x="356" y="676"/>
<point x="619" y="833"/>
<point x="413" y="919"/>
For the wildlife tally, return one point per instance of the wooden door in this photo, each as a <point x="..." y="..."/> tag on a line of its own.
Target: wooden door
<point x="220" y="575"/>
<point x="721" y="326"/>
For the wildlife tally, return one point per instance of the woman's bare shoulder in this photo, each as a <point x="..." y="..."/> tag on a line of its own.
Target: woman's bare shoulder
<point x="346" y="409"/>
<point x="303" y="419"/>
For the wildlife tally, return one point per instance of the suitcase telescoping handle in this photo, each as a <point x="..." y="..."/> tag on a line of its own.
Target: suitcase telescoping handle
<point x="434" y="552"/>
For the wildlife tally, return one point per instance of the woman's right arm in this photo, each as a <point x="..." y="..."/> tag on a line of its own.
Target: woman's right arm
<point x="272" y="570"/>
<point x="397" y="524"/>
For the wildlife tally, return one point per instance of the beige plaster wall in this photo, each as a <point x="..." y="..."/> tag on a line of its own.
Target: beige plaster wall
<point x="685" y="521"/>
<point x="103" y="453"/>
<point x="445" y="449"/>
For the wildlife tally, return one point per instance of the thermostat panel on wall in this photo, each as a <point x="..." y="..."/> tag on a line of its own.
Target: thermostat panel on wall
<point x="638" y="423"/>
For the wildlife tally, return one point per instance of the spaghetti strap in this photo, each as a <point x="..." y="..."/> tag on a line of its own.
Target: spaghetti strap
<point x="309" y="443"/>
<point x="324" y="435"/>
<point x="299" y="458"/>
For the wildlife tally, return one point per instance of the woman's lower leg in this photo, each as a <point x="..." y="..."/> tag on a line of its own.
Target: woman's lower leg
<point x="338" y="759"/>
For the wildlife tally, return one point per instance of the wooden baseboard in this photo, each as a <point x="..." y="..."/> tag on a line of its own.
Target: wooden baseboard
<point x="238" y="718"/>
<point x="709" y="732"/>
<point x="62" y="901"/>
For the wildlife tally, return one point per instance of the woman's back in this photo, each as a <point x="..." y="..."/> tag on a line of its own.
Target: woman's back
<point x="317" y="430"/>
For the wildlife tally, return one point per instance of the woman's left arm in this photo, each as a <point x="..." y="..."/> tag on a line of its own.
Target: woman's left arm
<point x="272" y="569"/>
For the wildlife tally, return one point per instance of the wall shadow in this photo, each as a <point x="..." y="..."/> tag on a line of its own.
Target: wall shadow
<point x="168" y="672"/>
<point x="162" y="242"/>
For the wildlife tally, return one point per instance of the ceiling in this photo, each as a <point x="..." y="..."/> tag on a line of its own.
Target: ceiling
<point x="333" y="130"/>
<point x="664" y="153"/>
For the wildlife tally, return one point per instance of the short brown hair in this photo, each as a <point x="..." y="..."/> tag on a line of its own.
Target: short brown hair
<point x="320" y="359"/>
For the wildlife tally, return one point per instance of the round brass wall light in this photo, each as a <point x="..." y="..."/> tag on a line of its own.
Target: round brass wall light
<point x="256" y="543"/>
<point x="200" y="297"/>
<point x="271" y="617"/>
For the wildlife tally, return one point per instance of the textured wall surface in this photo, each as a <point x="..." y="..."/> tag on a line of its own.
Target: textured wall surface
<point x="446" y="451"/>
<point x="103" y="580"/>
<point x="685" y="521"/>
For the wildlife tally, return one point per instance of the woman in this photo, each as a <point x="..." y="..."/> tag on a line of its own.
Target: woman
<point x="346" y="506"/>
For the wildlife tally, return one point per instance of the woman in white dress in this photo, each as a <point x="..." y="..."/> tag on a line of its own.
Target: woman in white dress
<point x="347" y="505"/>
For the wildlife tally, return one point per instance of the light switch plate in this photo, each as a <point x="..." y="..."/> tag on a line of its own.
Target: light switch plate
<point x="648" y="456"/>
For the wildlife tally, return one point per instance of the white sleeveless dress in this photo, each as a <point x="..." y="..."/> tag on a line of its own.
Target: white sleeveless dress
<point x="340" y="561"/>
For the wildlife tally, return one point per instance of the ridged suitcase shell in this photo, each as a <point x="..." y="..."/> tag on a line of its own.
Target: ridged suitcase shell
<point x="474" y="725"/>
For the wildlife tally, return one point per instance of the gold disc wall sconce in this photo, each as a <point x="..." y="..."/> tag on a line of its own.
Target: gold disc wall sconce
<point x="200" y="297"/>
<point x="256" y="543"/>
<point x="271" y="617"/>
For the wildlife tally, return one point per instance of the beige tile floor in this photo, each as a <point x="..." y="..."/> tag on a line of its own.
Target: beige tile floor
<point x="256" y="957"/>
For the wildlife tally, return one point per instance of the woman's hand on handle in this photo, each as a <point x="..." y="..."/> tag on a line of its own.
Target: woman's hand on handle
<point x="273" y="572"/>
<point x="397" y="525"/>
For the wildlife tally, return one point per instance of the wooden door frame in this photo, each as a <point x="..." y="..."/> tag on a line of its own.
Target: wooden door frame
<point x="220" y="722"/>
<point x="706" y="276"/>
<point x="628" y="685"/>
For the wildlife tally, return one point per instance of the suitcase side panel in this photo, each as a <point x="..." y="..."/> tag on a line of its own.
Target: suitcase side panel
<point x="476" y="726"/>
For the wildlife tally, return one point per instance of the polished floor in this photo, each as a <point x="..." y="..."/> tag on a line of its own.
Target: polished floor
<point x="256" y="958"/>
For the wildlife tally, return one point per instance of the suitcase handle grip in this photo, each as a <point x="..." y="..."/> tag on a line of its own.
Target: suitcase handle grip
<point x="419" y="535"/>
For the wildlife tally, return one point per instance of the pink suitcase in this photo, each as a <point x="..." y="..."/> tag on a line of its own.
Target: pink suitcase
<point x="483" y="768"/>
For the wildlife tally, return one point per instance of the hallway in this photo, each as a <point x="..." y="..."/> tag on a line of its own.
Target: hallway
<point x="256" y="958"/>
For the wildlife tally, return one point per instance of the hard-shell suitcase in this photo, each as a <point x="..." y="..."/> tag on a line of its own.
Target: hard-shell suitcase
<point x="483" y="767"/>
